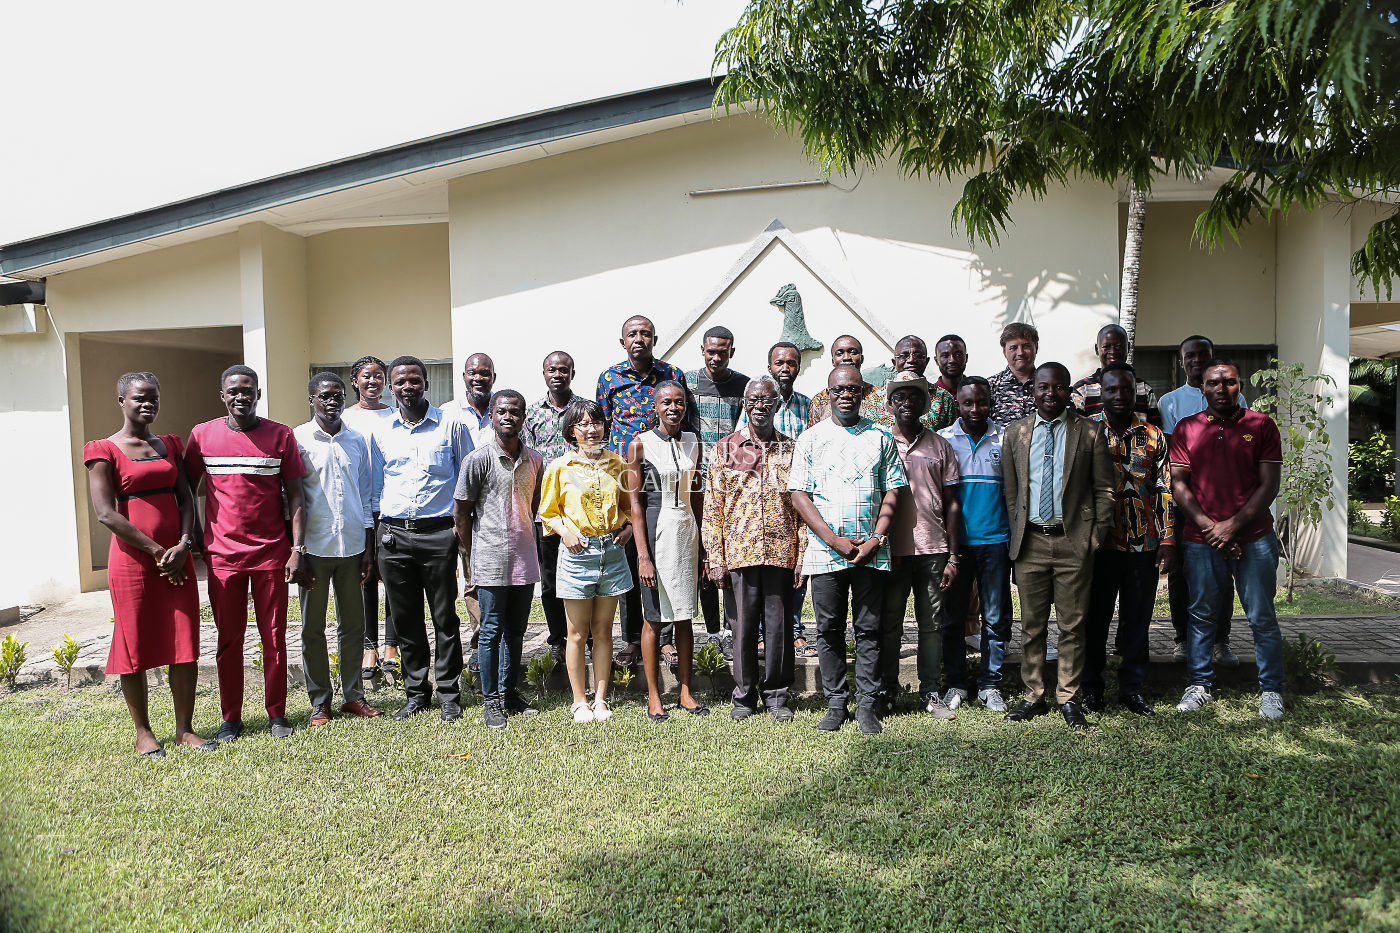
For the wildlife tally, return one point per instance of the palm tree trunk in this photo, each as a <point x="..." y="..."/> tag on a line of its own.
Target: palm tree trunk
<point x="1132" y="264"/>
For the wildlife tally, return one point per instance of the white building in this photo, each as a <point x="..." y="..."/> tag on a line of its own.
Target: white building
<point x="545" y="231"/>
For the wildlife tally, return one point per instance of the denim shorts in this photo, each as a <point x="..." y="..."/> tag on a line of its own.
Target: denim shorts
<point x="600" y="569"/>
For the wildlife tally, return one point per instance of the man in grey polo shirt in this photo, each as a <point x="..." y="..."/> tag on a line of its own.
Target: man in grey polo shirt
<point x="497" y="496"/>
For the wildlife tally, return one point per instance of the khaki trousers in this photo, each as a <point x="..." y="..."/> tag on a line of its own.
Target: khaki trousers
<point x="1053" y="569"/>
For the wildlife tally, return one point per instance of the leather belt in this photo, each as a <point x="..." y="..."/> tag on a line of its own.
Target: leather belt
<point x="419" y="524"/>
<point x="1049" y="531"/>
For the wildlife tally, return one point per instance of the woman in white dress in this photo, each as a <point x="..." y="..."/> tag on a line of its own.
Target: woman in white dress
<point x="367" y="378"/>
<point x="664" y="472"/>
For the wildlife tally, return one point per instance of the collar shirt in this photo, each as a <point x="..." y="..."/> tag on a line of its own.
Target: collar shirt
<point x="502" y="490"/>
<point x="1184" y="402"/>
<point x="1047" y="453"/>
<point x="749" y="520"/>
<point x="931" y="468"/>
<point x="1145" y="515"/>
<point x="1087" y="396"/>
<point x="477" y="424"/>
<point x="984" y="518"/>
<point x="872" y="407"/>
<point x="790" y="417"/>
<point x="544" y="430"/>
<point x="1012" y="399"/>
<point x="846" y="471"/>
<point x="1222" y="457"/>
<point x="587" y="494"/>
<point x="338" y="487"/>
<point x="626" y="398"/>
<point x="415" y="468"/>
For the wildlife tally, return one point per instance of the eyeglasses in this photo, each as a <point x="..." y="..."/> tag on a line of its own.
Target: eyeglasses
<point x="332" y="396"/>
<point x="846" y="390"/>
<point x="760" y="402"/>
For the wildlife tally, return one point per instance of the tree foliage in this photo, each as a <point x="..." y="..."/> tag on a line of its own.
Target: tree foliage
<point x="1298" y="102"/>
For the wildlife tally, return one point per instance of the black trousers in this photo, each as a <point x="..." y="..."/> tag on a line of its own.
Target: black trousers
<point x="414" y="565"/>
<point x="863" y="590"/>
<point x="630" y="606"/>
<point x="548" y="548"/>
<point x="1128" y="580"/>
<point x="1179" y="599"/>
<point x="370" y="593"/>
<point x="762" y="598"/>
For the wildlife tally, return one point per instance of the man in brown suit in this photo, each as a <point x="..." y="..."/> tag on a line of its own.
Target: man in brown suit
<point x="1058" y="481"/>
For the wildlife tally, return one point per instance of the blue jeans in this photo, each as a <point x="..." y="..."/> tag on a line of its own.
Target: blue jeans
<point x="990" y="565"/>
<point x="505" y="611"/>
<point x="1210" y="575"/>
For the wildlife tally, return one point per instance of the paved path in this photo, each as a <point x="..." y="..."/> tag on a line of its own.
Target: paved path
<point x="1368" y="647"/>
<point x="1374" y="567"/>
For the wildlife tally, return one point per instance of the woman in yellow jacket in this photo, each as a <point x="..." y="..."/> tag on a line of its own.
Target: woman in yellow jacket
<point x="583" y="500"/>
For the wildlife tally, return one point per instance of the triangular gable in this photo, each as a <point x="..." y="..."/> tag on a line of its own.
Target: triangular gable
<point x="775" y="235"/>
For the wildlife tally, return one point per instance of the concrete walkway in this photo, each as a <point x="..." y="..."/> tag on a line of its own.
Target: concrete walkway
<point x="1367" y="647"/>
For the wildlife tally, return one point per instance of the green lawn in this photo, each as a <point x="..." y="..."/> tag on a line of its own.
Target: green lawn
<point x="1215" y="821"/>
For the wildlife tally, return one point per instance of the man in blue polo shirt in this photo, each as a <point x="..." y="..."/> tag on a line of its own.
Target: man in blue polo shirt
<point x="986" y="535"/>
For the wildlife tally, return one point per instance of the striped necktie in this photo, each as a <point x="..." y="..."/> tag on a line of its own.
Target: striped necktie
<point x="1047" y="475"/>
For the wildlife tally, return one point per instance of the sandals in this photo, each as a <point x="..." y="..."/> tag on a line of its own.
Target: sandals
<point x="800" y="646"/>
<point x="671" y="657"/>
<point x="392" y="670"/>
<point x="582" y="711"/>
<point x="602" y="712"/>
<point x="629" y="656"/>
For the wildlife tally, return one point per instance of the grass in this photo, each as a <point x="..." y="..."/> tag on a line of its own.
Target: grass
<point x="1211" y="821"/>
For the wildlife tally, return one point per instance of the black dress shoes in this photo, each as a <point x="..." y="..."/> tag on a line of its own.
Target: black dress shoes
<point x="1074" y="716"/>
<point x="1026" y="711"/>
<point x="229" y="731"/>
<point x="1137" y="704"/>
<point x="452" y="711"/>
<point x="1091" y="701"/>
<point x="411" y="708"/>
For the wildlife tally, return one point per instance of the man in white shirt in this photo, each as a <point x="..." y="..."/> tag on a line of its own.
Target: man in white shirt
<point x="338" y="487"/>
<point x="474" y="413"/>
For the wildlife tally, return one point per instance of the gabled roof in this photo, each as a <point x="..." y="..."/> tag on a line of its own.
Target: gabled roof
<point x="436" y="152"/>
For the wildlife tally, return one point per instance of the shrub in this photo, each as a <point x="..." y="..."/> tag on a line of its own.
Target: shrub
<point x="1369" y="465"/>
<point x="12" y="657"/>
<point x="65" y="656"/>
<point x="538" y="671"/>
<point x="1307" y="664"/>
<point x="709" y="662"/>
<point x="1390" y="518"/>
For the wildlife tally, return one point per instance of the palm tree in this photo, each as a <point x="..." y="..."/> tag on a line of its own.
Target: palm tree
<point x="1132" y="264"/>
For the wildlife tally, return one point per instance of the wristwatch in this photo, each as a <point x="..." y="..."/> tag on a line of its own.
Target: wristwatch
<point x="300" y="549"/>
<point x="882" y="539"/>
<point x="187" y="541"/>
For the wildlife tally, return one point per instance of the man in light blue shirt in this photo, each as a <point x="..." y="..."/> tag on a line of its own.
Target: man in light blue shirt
<point x="416" y="457"/>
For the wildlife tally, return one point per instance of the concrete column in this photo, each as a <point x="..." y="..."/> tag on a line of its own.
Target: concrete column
<point x="276" y="331"/>
<point x="1313" y="312"/>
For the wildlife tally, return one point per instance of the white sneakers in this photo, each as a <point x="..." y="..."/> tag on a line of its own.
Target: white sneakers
<point x="602" y="712"/>
<point x="1193" y="699"/>
<point x="991" y="699"/>
<point x="582" y="712"/>
<point x="1271" y="705"/>
<point x="955" y="697"/>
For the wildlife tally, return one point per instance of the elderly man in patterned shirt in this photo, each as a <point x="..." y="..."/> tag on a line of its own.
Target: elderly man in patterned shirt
<point x="544" y="433"/>
<point x="845" y="482"/>
<point x="755" y="544"/>
<point x="1141" y="544"/>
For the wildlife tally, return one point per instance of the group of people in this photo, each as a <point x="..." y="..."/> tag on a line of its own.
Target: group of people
<point x="700" y="494"/>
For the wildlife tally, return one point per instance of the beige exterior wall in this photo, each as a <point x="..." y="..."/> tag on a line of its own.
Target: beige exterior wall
<point x="557" y="253"/>
<point x="1226" y="293"/>
<point x="381" y="291"/>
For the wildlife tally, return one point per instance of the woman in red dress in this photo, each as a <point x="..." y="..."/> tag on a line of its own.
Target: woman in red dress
<point x="139" y="492"/>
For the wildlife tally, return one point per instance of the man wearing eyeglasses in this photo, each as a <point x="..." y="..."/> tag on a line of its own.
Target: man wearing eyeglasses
<point x="845" y="482"/>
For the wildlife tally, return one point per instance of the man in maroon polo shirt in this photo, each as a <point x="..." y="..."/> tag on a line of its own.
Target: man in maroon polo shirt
<point x="1225" y="464"/>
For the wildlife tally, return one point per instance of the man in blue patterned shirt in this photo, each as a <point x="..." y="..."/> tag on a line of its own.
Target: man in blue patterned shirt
<point x="544" y="433"/>
<point x="845" y="480"/>
<point x="625" y="394"/>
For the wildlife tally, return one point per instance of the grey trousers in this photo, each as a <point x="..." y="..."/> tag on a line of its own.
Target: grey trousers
<point x="344" y="574"/>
